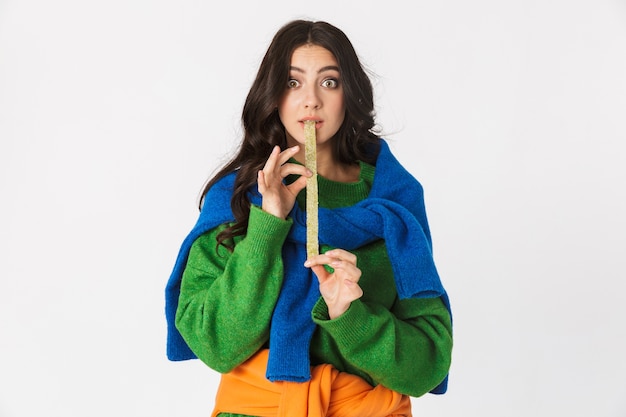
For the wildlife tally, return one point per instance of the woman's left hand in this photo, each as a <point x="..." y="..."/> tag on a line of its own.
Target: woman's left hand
<point x="341" y="287"/>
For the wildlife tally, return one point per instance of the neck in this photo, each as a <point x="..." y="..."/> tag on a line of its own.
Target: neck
<point x="329" y="168"/>
<point x="334" y="171"/>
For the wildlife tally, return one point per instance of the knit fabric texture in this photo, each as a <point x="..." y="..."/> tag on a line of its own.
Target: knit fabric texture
<point x="393" y="211"/>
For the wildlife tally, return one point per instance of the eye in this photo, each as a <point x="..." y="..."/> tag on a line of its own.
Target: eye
<point x="330" y="83"/>
<point x="292" y="83"/>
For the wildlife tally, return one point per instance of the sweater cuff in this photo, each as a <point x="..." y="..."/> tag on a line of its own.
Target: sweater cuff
<point x="320" y="311"/>
<point x="266" y="230"/>
<point x="349" y="328"/>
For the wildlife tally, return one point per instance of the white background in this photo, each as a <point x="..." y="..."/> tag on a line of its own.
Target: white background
<point x="510" y="113"/>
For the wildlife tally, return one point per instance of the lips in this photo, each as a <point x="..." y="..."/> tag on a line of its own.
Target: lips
<point x="306" y="119"/>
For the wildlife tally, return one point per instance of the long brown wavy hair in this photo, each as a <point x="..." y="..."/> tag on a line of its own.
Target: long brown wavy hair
<point x="263" y="129"/>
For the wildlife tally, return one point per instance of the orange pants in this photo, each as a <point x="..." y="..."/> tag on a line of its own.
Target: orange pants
<point x="329" y="393"/>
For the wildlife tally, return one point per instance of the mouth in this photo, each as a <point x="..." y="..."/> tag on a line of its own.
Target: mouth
<point x="317" y="121"/>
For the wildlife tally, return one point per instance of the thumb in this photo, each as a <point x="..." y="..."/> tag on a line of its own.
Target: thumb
<point x="298" y="185"/>
<point x="321" y="272"/>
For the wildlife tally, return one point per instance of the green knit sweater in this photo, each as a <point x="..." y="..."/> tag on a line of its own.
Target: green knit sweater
<point x="227" y="299"/>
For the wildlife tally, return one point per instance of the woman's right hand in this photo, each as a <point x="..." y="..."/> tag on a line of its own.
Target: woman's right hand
<point x="279" y="198"/>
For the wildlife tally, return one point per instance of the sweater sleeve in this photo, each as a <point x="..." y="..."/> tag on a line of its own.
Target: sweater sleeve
<point x="226" y="299"/>
<point x="406" y="348"/>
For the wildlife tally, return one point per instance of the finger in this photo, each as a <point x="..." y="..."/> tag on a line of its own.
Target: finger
<point x="260" y="179"/>
<point x="320" y="259"/>
<point x="343" y="255"/>
<point x="288" y="153"/>
<point x="275" y="154"/>
<point x="347" y="271"/>
<point x="298" y="185"/>
<point x="331" y="258"/>
<point x="354" y="288"/>
<point x="295" y="169"/>
<point x="321" y="273"/>
<point x="270" y="163"/>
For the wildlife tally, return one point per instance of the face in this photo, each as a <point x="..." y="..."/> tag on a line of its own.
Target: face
<point x="314" y="92"/>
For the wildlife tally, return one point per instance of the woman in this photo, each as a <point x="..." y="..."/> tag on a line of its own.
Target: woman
<point x="362" y="326"/>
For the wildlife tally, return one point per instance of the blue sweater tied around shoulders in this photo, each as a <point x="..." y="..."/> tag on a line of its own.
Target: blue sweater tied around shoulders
<point x="394" y="211"/>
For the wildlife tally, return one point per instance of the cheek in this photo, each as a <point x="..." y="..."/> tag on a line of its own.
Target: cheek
<point x="288" y="99"/>
<point x="285" y="106"/>
<point x="341" y="111"/>
<point x="339" y="106"/>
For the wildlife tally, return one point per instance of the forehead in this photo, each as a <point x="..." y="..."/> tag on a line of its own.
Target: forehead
<point x="312" y="56"/>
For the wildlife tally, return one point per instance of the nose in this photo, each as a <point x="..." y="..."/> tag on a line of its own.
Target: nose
<point x="312" y="98"/>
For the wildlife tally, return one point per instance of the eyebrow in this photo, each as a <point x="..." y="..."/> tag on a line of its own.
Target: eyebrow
<point x="323" y="69"/>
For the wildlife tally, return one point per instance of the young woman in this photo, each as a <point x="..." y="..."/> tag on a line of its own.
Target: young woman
<point x="357" y="329"/>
